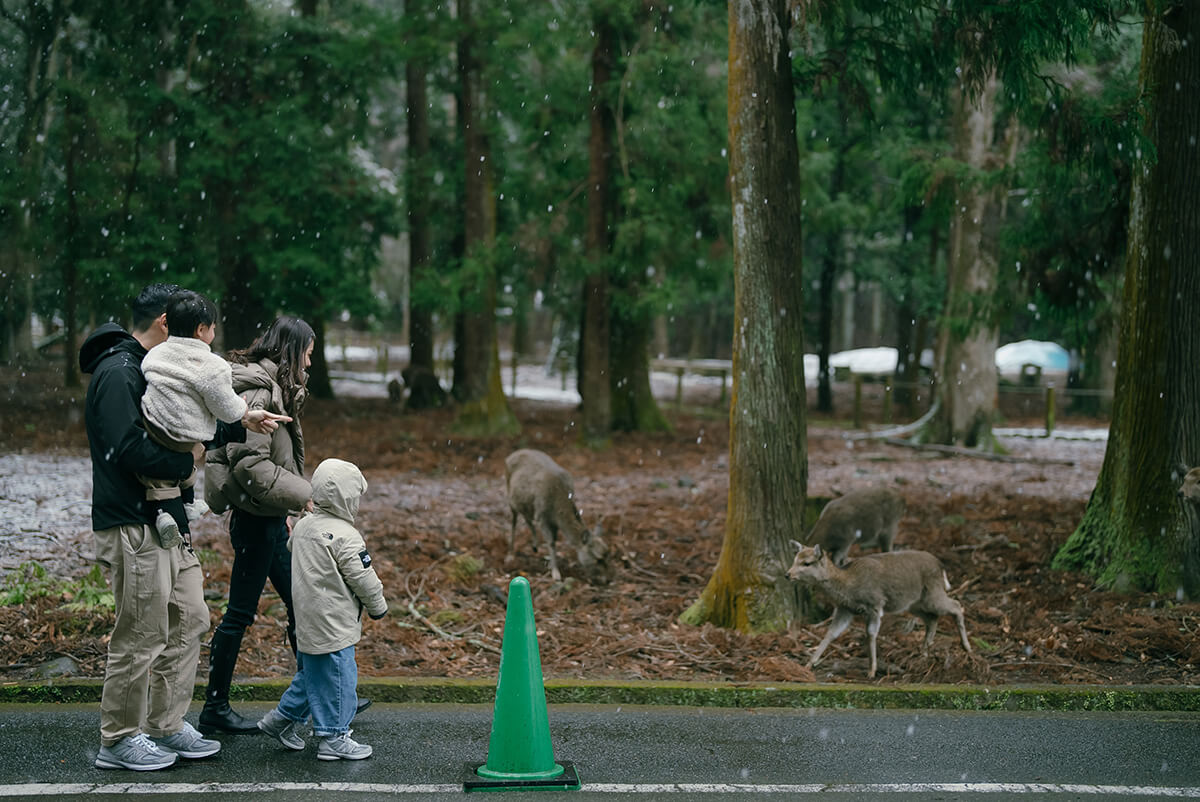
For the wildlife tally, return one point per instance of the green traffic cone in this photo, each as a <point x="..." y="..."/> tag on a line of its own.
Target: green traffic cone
<point x="520" y="755"/>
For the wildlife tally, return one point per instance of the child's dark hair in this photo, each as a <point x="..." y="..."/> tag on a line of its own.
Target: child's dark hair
<point x="150" y="303"/>
<point x="187" y="310"/>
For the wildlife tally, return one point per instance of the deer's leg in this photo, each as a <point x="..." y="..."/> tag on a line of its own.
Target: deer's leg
<point x="874" y="619"/>
<point x="962" y="628"/>
<point x="931" y="622"/>
<point x="888" y="536"/>
<point x="512" y="535"/>
<point x="840" y="620"/>
<point x="549" y="531"/>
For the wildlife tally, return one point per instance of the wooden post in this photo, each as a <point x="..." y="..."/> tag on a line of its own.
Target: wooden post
<point x="887" y="402"/>
<point x="678" y="388"/>
<point x="514" y="373"/>
<point x="721" y="400"/>
<point x="858" y="413"/>
<point x="382" y="362"/>
<point x="1049" y="410"/>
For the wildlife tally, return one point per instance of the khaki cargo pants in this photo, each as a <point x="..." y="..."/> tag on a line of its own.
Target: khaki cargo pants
<point x="155" y="647"/>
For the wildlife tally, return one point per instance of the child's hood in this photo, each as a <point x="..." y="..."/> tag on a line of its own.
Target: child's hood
<point x="337" y="486"/>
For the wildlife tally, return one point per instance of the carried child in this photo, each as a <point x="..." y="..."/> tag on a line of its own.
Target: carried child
<point x="332" y="583"/>
<point x="188" y="389"/>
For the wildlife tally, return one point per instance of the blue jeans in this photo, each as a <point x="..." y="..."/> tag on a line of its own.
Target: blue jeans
<point x="260" y="553"/>
<point x="324" y="687"/>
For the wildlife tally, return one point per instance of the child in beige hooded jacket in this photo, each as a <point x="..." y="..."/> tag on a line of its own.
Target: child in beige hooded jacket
<point x="332" y="583"/>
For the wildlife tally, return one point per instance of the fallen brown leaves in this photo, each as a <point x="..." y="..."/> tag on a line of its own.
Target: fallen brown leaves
<point x="437" y="524"/>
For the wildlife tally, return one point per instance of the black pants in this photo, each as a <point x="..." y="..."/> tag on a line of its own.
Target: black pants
<point x="260" y="553"/>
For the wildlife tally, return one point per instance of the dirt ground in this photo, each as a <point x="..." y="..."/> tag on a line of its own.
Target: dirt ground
<point x="436" y="521"/>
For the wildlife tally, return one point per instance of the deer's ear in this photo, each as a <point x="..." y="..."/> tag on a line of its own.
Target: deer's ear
<point x="817" y="551"/>
<point x="796" y="545"/>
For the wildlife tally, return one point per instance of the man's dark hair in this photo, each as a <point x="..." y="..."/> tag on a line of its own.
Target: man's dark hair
<point x="186" y="310"/>
<point x="150" y="303"/>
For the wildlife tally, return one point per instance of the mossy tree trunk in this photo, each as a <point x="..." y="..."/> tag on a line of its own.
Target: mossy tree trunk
<point x="594" y="343"/>
<point x="768" y="456"/>
<point x="483" y="407"/>
<point x="1135" y="532"/>
<point x="965" y="363"/>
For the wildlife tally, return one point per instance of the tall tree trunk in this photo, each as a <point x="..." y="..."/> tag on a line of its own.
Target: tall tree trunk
<point x="634" y="408"/>
<point x="319" y="383"/>
<point x="73" y="116"/>
<point x="965" y="367"/>
<point x="1135" y="532"/>
<point x="18" y="265"/>
<point x="768" y="459"/>
<point x="831" y="264"/>
<point x="829" y="271"/>
<point x="908" y="353"/>
<point x="420" y="315"/>
<point x="594" y="342"/>
<point x="484" y="407"/>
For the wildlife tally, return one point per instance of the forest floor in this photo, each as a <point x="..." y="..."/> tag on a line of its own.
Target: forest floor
<point x="436" y="521"/>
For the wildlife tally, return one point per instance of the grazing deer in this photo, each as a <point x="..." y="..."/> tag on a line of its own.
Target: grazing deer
<point x="868" y="517"/>
<point x="541" y="492"/>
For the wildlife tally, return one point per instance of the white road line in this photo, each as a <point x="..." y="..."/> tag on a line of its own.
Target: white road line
<point x="145" y="789"/>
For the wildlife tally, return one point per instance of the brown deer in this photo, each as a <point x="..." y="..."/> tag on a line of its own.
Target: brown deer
<point x="541" y="492"/>
<point x="874" y="584"/>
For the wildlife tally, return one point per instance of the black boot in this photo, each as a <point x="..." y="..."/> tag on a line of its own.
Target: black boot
<point x="217" y="715"/>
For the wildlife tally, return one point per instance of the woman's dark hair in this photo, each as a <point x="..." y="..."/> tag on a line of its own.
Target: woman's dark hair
<point x="284" y="343"/>
<point x="186" y="311"/>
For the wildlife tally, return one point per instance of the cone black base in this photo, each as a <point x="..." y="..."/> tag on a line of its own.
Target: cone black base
<point x="567" y="781"/>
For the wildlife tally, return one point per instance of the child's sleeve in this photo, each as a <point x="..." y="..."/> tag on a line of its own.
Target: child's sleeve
<point x="217" y="390"/>
<point x="354" y="563"/>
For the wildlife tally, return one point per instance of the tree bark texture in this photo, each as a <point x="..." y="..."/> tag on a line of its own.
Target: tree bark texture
<point x="1135" y="532"/>
<point x="768" y="464"/>
<point x="594" y="344"/>
<point x="634" y="408"/>
<point x="420" y="316"/>
<point x="966" y="354"/>
<point x="483" y="406"/>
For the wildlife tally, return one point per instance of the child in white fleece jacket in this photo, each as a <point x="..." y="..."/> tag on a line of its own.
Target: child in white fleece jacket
<point x="188" y="389"/>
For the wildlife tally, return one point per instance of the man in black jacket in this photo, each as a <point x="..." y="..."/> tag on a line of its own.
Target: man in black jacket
<point x="154" y="650"/>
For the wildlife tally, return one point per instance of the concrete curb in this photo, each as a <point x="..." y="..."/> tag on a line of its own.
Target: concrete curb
<point x="700" y="694"/>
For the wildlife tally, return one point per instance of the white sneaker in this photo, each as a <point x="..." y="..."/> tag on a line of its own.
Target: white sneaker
<point x="195" y="509"/>
<point x="168" y="531"/>
<point x="342" y="747"/>
<point x="136" y="753"/>
<point x="188" y="743"/>
<point x="282" y="729"/>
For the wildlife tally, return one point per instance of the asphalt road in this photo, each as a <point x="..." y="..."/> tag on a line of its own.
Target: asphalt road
<point x="46" y="752"/>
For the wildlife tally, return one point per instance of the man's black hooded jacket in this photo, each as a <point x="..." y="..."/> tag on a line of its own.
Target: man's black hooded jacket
<point x="120" y="447"/>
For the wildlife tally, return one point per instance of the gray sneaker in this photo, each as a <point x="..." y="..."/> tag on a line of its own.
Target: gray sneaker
<point x="282" y="729"/>
<point x="195" y="509"/>
<point x="168" y="530"/>
<point x="342" y="747"/>
<point x="188" y="743"/>
<point x="134" y="752"/>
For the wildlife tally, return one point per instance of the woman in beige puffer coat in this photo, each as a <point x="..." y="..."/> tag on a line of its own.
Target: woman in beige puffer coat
<point x="262" y="482"/>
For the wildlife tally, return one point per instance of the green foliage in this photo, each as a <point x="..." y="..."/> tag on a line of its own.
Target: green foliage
<point x="29" y="581"/>
<point x="1069" y="237"/>
<point x="89" y="593"/>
